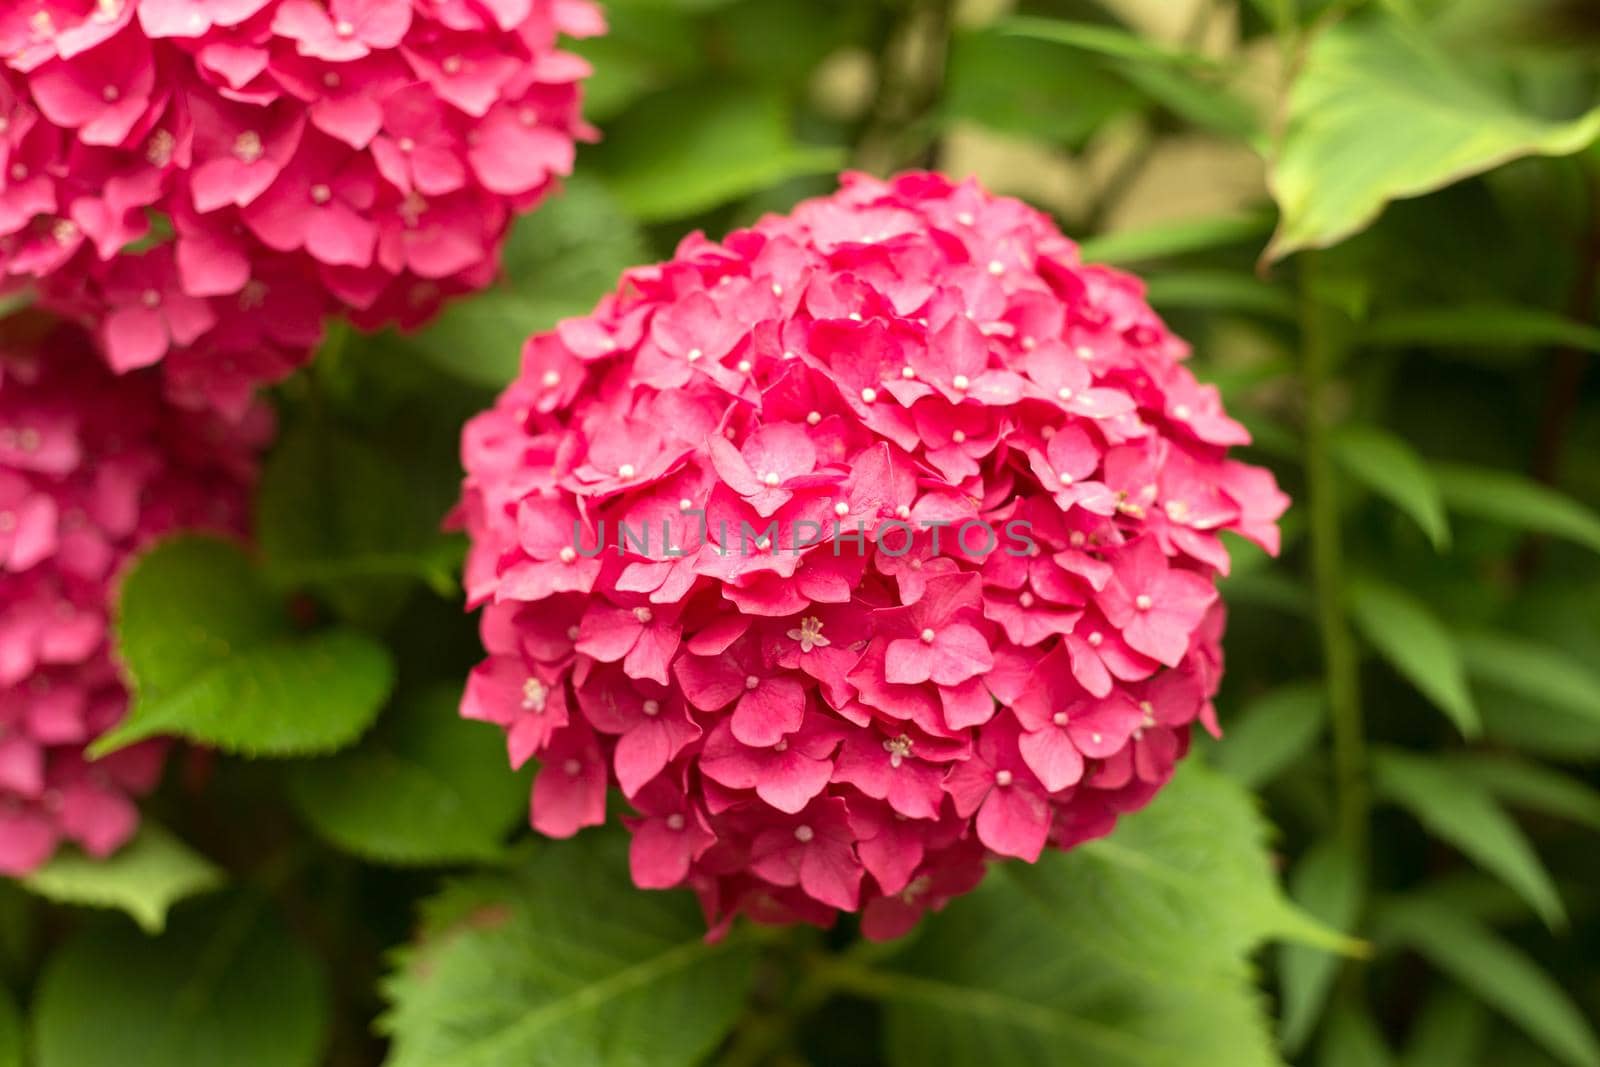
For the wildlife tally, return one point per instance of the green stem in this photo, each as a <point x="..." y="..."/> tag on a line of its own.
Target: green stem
<point x="910" y="81"/>
<point x="1323" y="337"/>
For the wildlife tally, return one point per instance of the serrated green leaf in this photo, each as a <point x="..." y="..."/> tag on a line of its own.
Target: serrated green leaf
<point x="1498" y="974"/>
<point x="694" y="148"/>
<point x="1379" y="113"/>
<point x="1174" y="239"/>
<point x="145" y="878"/>
<point x="1271" y="732"/>
<point x="1328" y="883"/>
<point x="1478" y="326"/>
<point x="211" y="657"/>
<point x="1464" y="814"/>
<point x="560" y="961"/>
<point x="226" y="986"/>
<point x="558" y="262"/>
<point x="1530" y="786"/>
<point x="1131" y="951"/>
<point x="426" y="787"/>
<point x="1391" y="468"/>
<point x="1413" y="640"/>
<point x="1517" y="501"/>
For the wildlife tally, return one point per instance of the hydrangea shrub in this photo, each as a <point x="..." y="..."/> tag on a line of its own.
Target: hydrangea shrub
<point x="201" y="182"/>
<point x="872" y="542"/>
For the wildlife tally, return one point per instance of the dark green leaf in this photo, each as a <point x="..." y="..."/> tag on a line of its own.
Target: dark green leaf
<point x="1530" y="786"/>
<point x="1518" y="502"/>
<point x="1479" y="326"/>
<point x="1461" y="812"/>
<point x="559" y="261"/>
<point x="145" y="878"/>
<point x="1499" y="974"/>
<point x="1219" y="291"/>
<point x="1353" y="1040"/>
<point x="1407" y="634"/>
<point x="226" y="986"/>
<point x="691" y="149"/>
<point x="211" y="657"/>
<point x="1174" y="239"/>
<point x="11" y="1032"/>
<point x="1449" y="1032"/>
<point x="561" y="961"/>
<point x="1391" y="468"/>
<point x="426" y="787"/>
<point x="1379" y="113"/>
<point x="1271" y="733"/>
<point x="1021" y="87"/>
<point x="1328" y="883"/>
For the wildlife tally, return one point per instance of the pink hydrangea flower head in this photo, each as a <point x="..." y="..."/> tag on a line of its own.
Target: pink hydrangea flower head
<point x="286" y="159"/>
<point x="868" y="545"/>
<point x="92" y="468"/>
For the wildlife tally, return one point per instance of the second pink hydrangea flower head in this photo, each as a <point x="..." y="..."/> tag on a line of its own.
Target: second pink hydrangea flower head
<point x="201" y="181"/>
<point x="93" y="468"/>
<point x="870" y="543"/>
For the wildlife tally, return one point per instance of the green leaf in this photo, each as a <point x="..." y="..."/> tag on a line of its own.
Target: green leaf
<point x="694" y="148"/>
<point x="1391" y="468"/>
<point x="1353" y="1040"/>
<point x="426" y="787"/>
<point x="211" y="657"/>
<point x="145" y="878"/>
<point x="1531" y="786"/>
<point x="1449" y="1031"/>
<point x="333" y="512"/>
<point x="1499" y="974"/>
<point x="1328" y="883"/>
<point x="1378" y="113"/>
<point x="1174" y="239"/>
<point x="560" y="961"/>
<point x="1021" y="87"/>
<point x="11" y="1032"/>
<point x="226" y="986"/>
<point x="1171" y="77"/>
<point x="1413" y="640"/>
<point x="1463" y="813"/>
<point x="1481" y="326"/>
<point x="558" y="262"/>
<point x="1219" y="291"/>
<point x="1131" y="951"/>
<point x="1271" y="733"/>
<point x="1517" y="501"/>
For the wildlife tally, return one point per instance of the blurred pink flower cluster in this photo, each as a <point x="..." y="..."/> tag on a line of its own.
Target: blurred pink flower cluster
<point x="737" y="535"/>
<point x="201" y="181"/>
<point x="92" y="467"/>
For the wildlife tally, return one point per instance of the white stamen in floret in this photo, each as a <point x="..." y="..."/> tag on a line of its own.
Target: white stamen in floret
<point x="533" y="695"/>
<point x="960" y="383"/>
<point x="1143" y="602"/>
<point x="927" y="635"/>
<point x="652" y="708"/>
<point x="771" y="480"/>
<point x="841" y="509"/>
<point x="898" y="748"/>
<point x="751" y="681"/>
<point x="812" y="418"/>
<point x="1002" y="778"/>
<point x="804" y="834"/>
<point x="626" y="471"/>
<point x="644" y="615"/>
<point x="568" y="554"/>
<point x="868" y="395"/>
